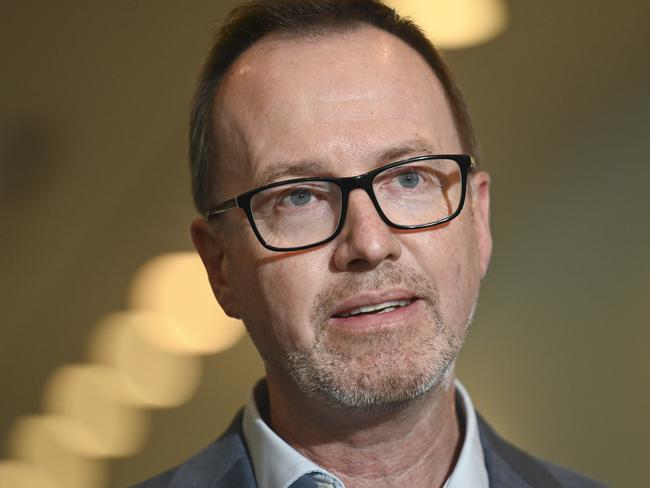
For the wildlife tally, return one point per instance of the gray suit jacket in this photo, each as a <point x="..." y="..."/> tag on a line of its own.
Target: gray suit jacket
<point x="226" y="464"/>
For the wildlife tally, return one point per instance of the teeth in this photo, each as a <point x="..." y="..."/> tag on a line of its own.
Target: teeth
<point x="379" y="308"/>
<point x="389" y="309"/>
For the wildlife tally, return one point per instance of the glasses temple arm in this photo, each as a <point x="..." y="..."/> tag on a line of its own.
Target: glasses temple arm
<point x="221" y="208"/>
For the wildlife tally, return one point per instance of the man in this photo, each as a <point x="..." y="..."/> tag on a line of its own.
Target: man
<point x="347" y="225"/>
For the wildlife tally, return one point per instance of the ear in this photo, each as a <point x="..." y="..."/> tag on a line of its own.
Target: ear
<point x="211" y="247"/>
<point x="480" y="196"/>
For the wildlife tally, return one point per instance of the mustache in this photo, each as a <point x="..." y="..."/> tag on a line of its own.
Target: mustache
<point x="387" y="276"/>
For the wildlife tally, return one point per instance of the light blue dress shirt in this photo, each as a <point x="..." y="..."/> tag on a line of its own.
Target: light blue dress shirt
<point x="278" y="465"/>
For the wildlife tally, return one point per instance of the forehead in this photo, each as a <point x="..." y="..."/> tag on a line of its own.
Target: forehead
<point x="338" y="100"/>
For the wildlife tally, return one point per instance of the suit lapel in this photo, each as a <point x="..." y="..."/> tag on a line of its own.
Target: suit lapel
<point x="223" y="464"/>
<point x="509" y="467"/>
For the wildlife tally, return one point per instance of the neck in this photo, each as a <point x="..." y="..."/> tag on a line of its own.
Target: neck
<point x="415" y="444"/>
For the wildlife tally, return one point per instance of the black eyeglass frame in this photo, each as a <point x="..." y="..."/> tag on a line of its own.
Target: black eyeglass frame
<point x="363" y="181"/>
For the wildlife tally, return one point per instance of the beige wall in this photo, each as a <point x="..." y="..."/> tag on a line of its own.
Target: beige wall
<point x="93" y="183"/>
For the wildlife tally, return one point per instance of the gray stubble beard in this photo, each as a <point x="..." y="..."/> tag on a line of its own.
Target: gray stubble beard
<point x="408" y="363"/>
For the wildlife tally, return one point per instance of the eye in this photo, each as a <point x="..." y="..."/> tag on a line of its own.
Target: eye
<point x="299" y="197"/>
<point x="408" y="179"/>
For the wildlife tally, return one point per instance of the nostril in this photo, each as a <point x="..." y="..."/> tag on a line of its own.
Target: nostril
<point x="366" y="246"/>
<point x="359" y="264"/>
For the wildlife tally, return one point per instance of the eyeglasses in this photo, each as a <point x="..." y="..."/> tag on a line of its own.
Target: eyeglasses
<point x="302" y="213"/>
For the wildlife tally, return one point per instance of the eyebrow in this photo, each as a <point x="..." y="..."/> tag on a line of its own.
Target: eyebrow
<point x="413" y="147"/>
<point x="314" y="167"/>
<point x="308" y="167"/>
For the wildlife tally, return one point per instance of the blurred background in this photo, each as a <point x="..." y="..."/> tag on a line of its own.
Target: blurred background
<point x="94" y="186"/>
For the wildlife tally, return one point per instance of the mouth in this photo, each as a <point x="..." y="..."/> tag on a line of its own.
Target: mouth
<point x="375" y="309"/>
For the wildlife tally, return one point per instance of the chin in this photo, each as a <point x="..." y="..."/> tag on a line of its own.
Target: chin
<point x="376" y="376"/>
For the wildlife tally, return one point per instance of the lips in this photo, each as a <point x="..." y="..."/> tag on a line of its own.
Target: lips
<point x="376" y="303"/>
<point x="387" y="306"/>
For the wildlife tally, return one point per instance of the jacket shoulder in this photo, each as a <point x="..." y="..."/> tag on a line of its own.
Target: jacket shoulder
<point x="223" y="464"/>
<point x="509" y="466"/>
<point x="570" y="478"/>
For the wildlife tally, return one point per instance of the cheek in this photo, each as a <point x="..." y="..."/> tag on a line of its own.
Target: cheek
<point x="449" y="257"/>
<point x="277" y="301"/>
<point x="465" y="278"/>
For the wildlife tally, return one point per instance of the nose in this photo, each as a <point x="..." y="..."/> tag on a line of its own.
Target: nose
<point x="365" y="240"/>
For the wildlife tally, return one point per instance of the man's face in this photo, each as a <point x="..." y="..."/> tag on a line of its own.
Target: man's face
<point x="341" y="105"/>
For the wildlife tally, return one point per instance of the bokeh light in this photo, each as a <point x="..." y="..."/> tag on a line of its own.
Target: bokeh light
<point x="142" y="349"/>
<point x="18" y="474"/>
<point x="35" y="440"/>
<point x="176" y="285"/>
<point x="454" y="24"/>
<point x="144" y="357"/>
<point x="87" y="395"/>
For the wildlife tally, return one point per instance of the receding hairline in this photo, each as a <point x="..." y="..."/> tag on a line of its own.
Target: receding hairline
<point x="315" y="34"/>
<point x="259" y="20"/>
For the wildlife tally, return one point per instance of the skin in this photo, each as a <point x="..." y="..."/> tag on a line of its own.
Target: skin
<point x="350" y="102"/>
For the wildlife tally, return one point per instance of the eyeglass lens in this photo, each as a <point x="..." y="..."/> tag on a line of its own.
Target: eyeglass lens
<point x="299" y="214"/>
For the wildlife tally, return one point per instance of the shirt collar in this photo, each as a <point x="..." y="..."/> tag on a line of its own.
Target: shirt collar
<point x="470" y="467"/>
<point x="277" y="464"/>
